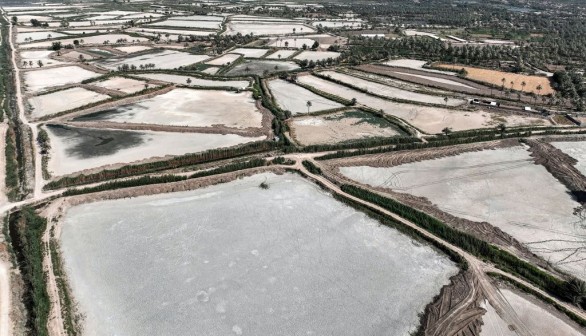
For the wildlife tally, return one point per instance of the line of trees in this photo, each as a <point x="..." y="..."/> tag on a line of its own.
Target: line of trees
<point x="564" y="290"/>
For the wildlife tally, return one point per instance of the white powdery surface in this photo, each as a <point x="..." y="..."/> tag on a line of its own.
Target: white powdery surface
<point x="133" y="49"/>
<point x="126" y="85"/>
<point x="389" y="91"/>
<point x="156" y="144"/>
<point x="282" y="53"/>
<point x="41" y="79"/>
<point x="493" y="324"/>
<point x="538" y="320"/>
<point x="292" y="43"/>
<point x="224" y="59"/>
<point x="266" y="28"/>
<point x="575" y="149"/>
<point x="177" y="79"/>
<point x="188" y="23"/>
<point x="502" y="187"/>
<point x="426" y="118"/>
<point x="98" y="39"/>
<point x="63" y="100"/>
<point x="294" y="98"/>
<point x="250" y="52"/>
<point x="42" y="35"/>
<point x="317" y="55"/>
<point x="197" y="108"/>
<point x="167" y="59"/>
<point x="236" y="259"/>
<point x="38" y="55"/>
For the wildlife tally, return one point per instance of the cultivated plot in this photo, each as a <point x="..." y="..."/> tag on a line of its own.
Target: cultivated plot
<point x="188" y="107"/>
<point x="30" y="59"/>
<point x="250" y="52"/>
<point x="340" y="127"/>
<point x="224" y="59"/>
<point x="205" y="24"/>
<point x="133" y="49"/>
<point x="266" y="28"/>
<point x="63" y="100"/>
<point x="195" y="81"/>
<point x="42" y="35"/>
<point x="255" y="67"/>
<point x="281" y="54"/>
<point x="502" y="187"/>
<point x="392" y="92"/>
<point x="97" y="39"/>
<point x="295" y="99"/>
<point x="39" y="80"/>
<point x="174" y="263"/>
<point x="74" y="149"/>
<point x="122" y="84"/>
<point x="166" y="59"/>
<point x="428" y="119"/>
<point x="317" y="55"/>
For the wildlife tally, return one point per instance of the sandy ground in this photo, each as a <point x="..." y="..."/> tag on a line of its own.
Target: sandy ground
<point x="250" y="52"/>
<point x="537" y="319"/>
<point x="74" y="56"/>
<point x="392" y="92"/>
<point x="39" y="80"/>
<point x="428" y="119"/>
<point x="98" y="39"/>
<point x="575" y="149"/>
<point x="126" y="85"/>
<point x="317" y="55"/>
<point x="168" y="59"/>
<point x="294" y="98"/>
<point x="133" y="49"/>
<point x="63" y="100"/>
<point x="224" y="59"/>
<point x="177" y="79"/>
<point x="315" y="266"/>
<point x="38" y="55"/>
<point x="198" y="18"/>
<point x="196" y="108"/>
<point x="265" y="28"/>
<point x="211" y="70"/>
<point x="494" y="77"/>
<point x="188" y="24"/>
<point x="334" y="128"/>
<point x="155" y="144"/>
<point x="502" y="187"/>
<point x="282" y="53"/>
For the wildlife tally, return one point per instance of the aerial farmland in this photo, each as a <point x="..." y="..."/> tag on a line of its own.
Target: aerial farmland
<point x="290" y="168"/>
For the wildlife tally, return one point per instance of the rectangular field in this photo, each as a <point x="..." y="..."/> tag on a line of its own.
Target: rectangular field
<point x="340" y="127"/>
<point x="39" y="80"/>
<point x="63" y="100"/>
<point x="266" y="28"/>
<point x="195" y="81"/>
<point x="178" y="262"/>
<point x="166" y="59"/>
<point x="188" y="107"/>
<point x="294" y="98"/>
<point x="503" y="187"/>
<point x="122" y="84"/>
<point x="428" y="119"/>
<point x="317" y="55"/>
<point x="257" y="67"/>
<point x="75" y="149"/>
<point x="495" y="77"/>
<point x="87" y="40"/>
<point x="188" y="24"/>
<point x="224" y="59"/>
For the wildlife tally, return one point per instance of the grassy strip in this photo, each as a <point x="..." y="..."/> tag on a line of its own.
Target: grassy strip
<point x="311" y="167"/>
<point x="176" y="162"/>
<point x="360" y="144"/>
<point x="477" y="247"/>
<point x="148" y="180"/>
<point x="540" y="296"/>
<point x="71" y="320"/>
<point x="329" y="96"/>
<point x="12" y="177"/>
<point x="26" y="232"/>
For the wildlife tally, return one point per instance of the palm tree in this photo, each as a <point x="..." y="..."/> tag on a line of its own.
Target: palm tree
<point x="523" y="84"/>
<point x="501" y="128"/>
<point x="188" y="81"/>
<point x="308" y="104"/>
<point x="503" y="80"/>
<point x="446" y="100"/>
<point x="447" y="131"/>
<point x="539" y="88"/>
<point x="512" y="85"/>
<point x="286" y="44"/>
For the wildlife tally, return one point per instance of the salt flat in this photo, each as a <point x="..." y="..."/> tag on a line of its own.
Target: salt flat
<point x="502" y="187"/>
<point x="237" y="259"/>
<point x="63" y="100"/>
<point x="166" y="59"/>
<point x="39" y="80"/>
<point x="195" y="81"/>
<point x="294" y="98"/>
<point x="575" y="149"/>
